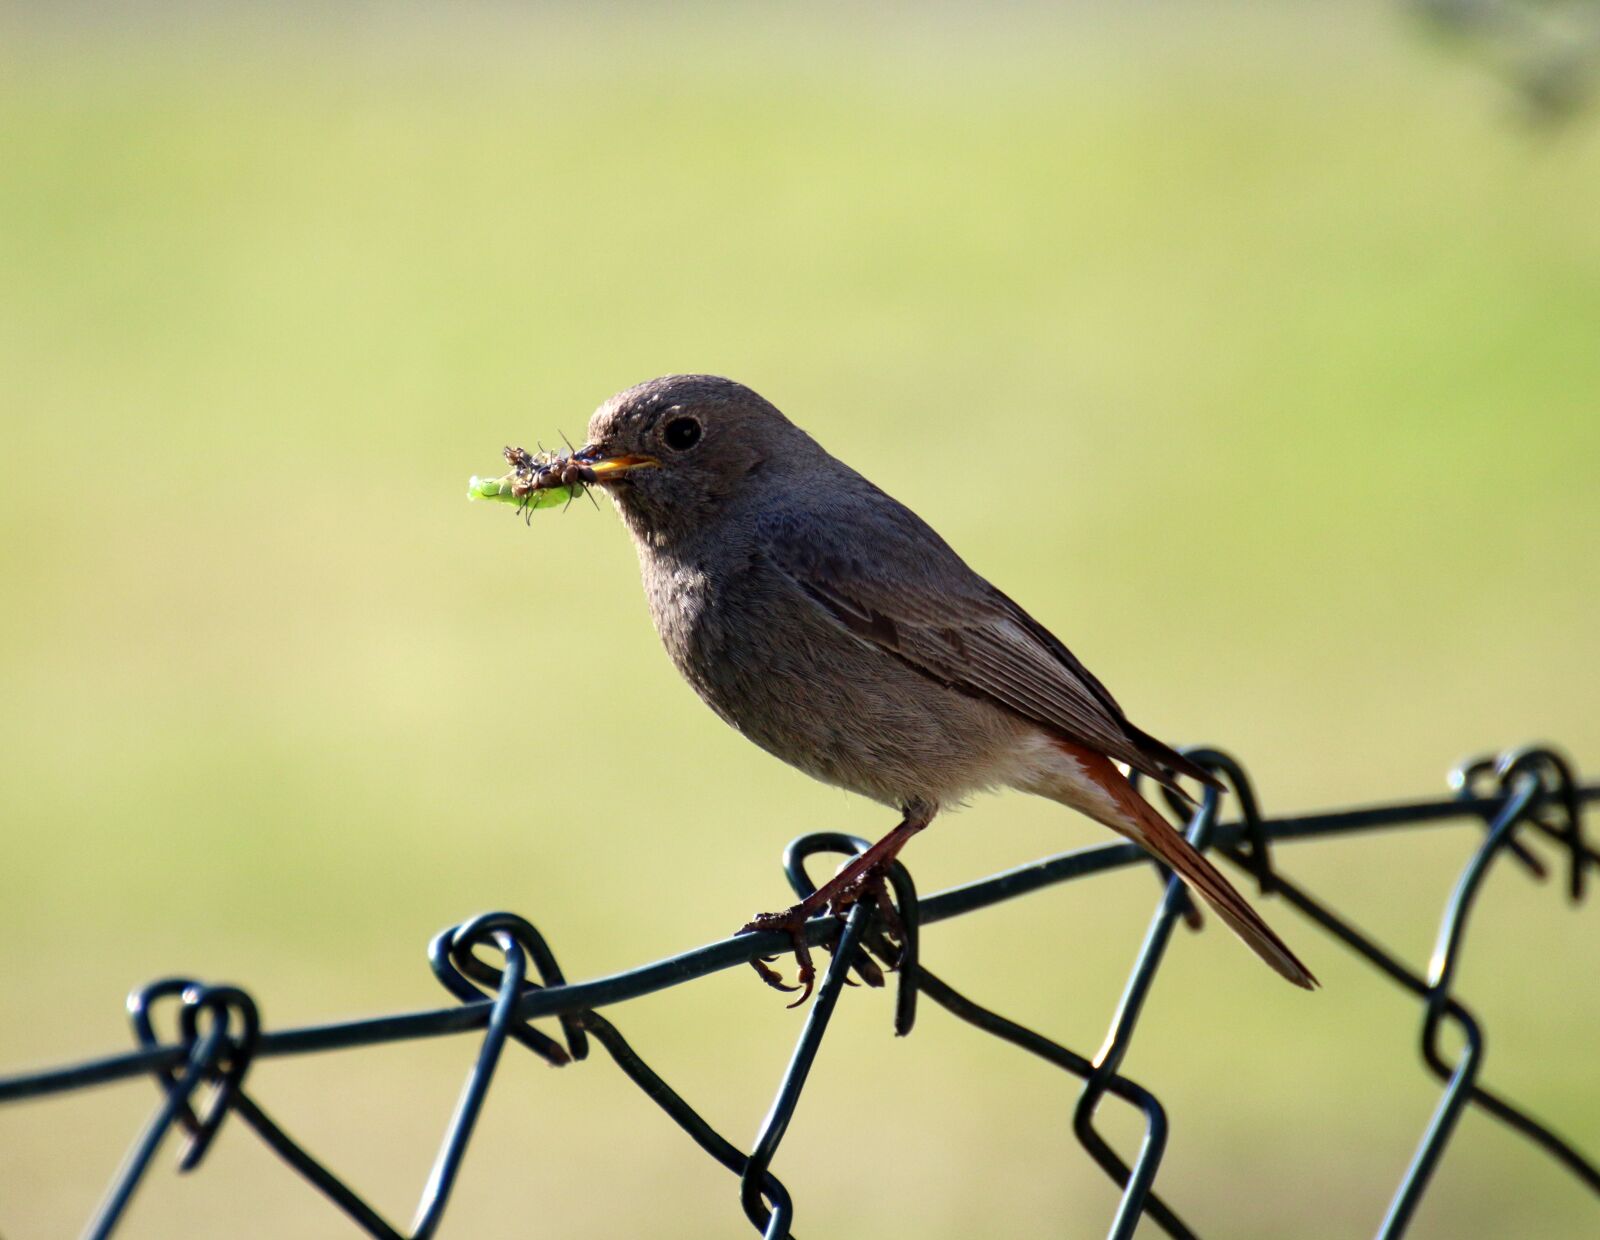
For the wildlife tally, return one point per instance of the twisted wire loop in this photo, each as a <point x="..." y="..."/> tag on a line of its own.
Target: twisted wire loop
<point x="1532" y="787"/>
<point x="216" y="1053"/>
<point x="454" y="962"/>
<point x="903" y="918"/>
<point x="502" y="975"/>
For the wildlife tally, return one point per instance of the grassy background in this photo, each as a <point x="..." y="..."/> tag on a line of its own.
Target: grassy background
<point x="1275" y="337"/>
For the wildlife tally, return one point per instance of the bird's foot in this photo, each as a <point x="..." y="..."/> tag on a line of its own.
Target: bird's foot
<point x="791" y="921"/>
<point x="837" y="900"/>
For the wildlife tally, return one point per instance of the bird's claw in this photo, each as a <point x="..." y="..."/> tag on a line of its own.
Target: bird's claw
<point x="893" y="929"/>
<point x="793" y="924"/>
<point x="769" y="975"/>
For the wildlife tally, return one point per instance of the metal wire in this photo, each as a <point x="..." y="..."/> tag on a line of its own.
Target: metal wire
<point x="1516" y="797"/>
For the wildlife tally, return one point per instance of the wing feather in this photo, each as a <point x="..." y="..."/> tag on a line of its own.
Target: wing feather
<point x="898" y="585"/>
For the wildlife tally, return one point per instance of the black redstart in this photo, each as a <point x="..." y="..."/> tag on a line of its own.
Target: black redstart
<point x="829" y="624"/>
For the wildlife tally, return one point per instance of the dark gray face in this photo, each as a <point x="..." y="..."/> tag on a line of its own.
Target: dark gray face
<point x="672" y="452"/>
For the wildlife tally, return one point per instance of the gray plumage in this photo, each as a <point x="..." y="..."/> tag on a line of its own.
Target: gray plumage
<point x="833" y="627"/>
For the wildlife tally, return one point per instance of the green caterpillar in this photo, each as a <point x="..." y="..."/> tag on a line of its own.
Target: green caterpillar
<point x="536" y="480"/>
<point x="502" y="490"/>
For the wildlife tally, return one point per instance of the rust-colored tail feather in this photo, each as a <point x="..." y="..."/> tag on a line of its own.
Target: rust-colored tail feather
<point x="1142" y="824"/>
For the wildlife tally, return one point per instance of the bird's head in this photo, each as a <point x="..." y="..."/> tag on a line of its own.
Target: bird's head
<point x="674" y="451"/>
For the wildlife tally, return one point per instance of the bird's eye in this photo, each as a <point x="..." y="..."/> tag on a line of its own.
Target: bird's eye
<point x="681" y="434"/>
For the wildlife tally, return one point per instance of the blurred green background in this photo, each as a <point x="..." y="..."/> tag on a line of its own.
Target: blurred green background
<point x="1253" y="348"/>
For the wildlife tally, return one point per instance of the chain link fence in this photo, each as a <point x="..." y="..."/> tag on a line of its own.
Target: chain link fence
<point x="1518" y="799"/>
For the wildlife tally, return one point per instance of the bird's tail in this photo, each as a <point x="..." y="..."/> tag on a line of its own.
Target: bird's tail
<point x="1126" y="812"/>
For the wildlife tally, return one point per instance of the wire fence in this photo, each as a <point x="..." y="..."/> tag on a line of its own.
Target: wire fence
<point x="1518" y="799"/>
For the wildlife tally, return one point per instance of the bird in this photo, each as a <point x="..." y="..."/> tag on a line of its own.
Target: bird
<point x="832" y="626"/>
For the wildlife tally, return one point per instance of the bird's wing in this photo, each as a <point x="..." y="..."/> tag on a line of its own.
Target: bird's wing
<point x="883" y="574"/>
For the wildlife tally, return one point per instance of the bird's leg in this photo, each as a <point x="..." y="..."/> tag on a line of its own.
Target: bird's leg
<point x="857" y="878"/>
<point x="848" y="885"/>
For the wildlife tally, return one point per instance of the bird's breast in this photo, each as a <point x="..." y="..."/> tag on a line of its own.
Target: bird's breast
<point x="718" y="623"/>
<point x="683" y="599"/>
<point x="773" y="665"/>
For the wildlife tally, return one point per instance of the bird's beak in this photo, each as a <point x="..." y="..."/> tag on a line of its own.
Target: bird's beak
<point x="607" y="468"/>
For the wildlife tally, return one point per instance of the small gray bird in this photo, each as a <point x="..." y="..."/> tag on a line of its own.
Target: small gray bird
<point x="829" y="624"/>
